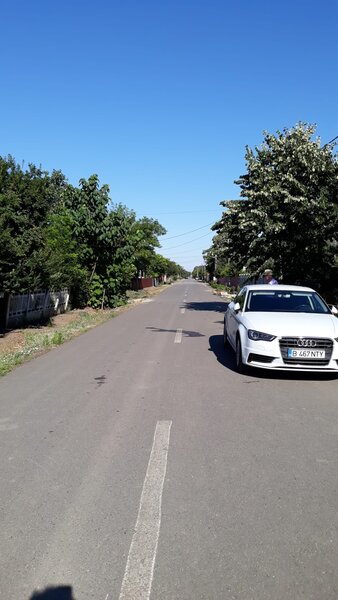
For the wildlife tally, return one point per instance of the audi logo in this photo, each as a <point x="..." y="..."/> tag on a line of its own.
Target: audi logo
<point x="306" y="343"/>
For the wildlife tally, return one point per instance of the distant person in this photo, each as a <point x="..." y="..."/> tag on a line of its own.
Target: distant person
<point x="269" y="278"/>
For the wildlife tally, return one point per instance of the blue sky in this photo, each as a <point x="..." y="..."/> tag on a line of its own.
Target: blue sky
<point x="160" y="98"/>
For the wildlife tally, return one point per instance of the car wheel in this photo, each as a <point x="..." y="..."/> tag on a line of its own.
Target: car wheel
<point x="241" y="367"/>
<point x="225" y="337"/>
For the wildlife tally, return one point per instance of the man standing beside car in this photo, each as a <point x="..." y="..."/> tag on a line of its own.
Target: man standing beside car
<point x="269" y="278"/>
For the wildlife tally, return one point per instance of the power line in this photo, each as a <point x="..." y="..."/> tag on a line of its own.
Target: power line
<point x="184" y="244"/>
<point x="192" y="252"/>
<point x="186" y="233"/>
<point x="185" y="212"/>
<point x="335" y="138"/>
<point x="331" y="141"/>
<point x="184" y="258"/>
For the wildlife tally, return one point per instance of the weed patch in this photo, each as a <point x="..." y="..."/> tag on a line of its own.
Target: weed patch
<point x="36" y="341"/>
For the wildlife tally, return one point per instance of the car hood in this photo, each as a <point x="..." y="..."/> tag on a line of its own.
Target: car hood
<point x="292" y="324"/>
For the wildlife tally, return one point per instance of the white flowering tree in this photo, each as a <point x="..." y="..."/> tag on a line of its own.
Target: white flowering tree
<point x="287" y="217"/>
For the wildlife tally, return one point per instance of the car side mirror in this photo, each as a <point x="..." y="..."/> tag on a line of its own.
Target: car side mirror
<point x="334" y="310"/>
<point x="237" y="307"/>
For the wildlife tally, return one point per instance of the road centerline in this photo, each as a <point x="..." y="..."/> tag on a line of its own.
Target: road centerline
<point x="139" y="570"/>
<point x="178" y="336"/>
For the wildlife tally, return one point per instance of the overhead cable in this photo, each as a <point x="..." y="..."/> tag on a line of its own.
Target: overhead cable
<point x="186" y="233"/>
<point x="181" y="212"/>
<point x="184" y="244"/>
<point x="330" y="142"/>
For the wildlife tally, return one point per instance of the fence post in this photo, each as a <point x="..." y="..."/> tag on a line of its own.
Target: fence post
<point x="4" y="310"/>
<point x="27" y="305"/>
<point x="66" y="302"/>
<point x="7" y="311"/>
<point x="45" y="304"/>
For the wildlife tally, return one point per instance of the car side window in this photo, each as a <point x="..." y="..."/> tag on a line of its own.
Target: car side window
<point x="241" y="298"/>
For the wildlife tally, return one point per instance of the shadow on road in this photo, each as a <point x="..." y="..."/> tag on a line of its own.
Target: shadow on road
<point x="185" y="333"/>
<point x="224" y="356"/>
<point x="60" y="592"/>
<point x="227" y="358"/>
<point x="216" y="306"/>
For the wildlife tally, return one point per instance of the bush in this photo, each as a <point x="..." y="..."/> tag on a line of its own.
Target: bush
<point x="57" y="338"/>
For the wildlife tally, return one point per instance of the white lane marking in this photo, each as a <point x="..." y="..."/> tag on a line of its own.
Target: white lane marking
<point x="182" y="311"/>
<point x="138" y="576"/>
<point x="178" y="336"/>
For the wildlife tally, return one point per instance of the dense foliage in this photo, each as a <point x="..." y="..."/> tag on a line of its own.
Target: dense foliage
<point x="55" y="235"/>
<point x="200" y="272"/>
<point x="287" y="217"/>
<point x="26" y="198"/>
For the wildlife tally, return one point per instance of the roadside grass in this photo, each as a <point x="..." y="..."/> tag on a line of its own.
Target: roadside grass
<point x="36" y="341"/>
<point x="136" y="295"/>
<point x="146" y="293"/>
<point x="217" y="286"/>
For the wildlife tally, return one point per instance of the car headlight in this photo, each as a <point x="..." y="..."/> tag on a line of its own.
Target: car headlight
<point x="260" y="336"/>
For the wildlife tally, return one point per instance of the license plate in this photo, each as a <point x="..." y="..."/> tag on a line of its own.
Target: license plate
<point x="305" y="353"/>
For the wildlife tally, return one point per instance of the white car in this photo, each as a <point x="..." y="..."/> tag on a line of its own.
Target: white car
<point x="284" y="327"/>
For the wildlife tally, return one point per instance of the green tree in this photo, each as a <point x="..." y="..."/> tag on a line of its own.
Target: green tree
<point x="147" y="232"/>
<point x="287" y="217"/>
<point x="164" y="266"/>
<point x="59" y="257"/>
<point x="107" y="241"/>
<point x="199" y="272"/>
<point x="26" y="198"/>
<point x="53" y="235"/>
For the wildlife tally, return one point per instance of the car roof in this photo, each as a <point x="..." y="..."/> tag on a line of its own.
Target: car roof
<point x="276" y="287"/>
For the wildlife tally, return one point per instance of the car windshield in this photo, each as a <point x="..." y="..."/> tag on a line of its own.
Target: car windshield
<point x="285" y="301"/>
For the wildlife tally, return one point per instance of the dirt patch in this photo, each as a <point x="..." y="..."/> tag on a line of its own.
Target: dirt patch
<point x="14" y="340"/>
<point x="11" y="342"/>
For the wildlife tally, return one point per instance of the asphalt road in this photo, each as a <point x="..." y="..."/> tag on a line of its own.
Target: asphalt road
<point x="136" y="463"/>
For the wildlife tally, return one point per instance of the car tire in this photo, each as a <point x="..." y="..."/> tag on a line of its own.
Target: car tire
<point x="241" y="367"/>
<point x="225" y="337"/>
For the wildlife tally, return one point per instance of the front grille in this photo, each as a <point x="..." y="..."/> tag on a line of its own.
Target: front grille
<point x="292" y="342"/>
<point x="260" y="358"/>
